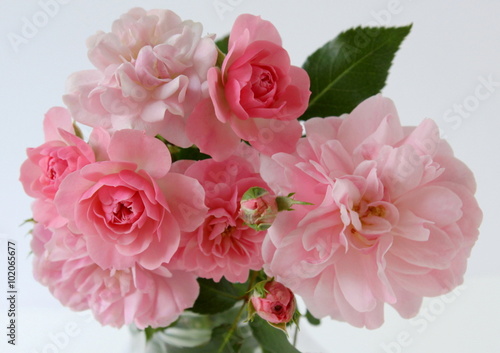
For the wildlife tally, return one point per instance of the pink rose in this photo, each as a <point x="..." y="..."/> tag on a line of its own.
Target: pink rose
<point x="50" y="255"/>
<point x="277" y="306"/>
<point x="223" y="245"/>
<point x="394" y="215"/>
<point x="151" y="72"/>
<point x="256" y="96"/>
<point x="48" y="165"/>
<point x="116" y="297"/>
<point x="61" y="154"/>
<point x="129" y="209"/>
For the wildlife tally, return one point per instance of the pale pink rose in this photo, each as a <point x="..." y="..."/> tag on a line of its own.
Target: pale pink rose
<point x="278" y="305"/>
<point x="223" y="245"/>
<point x="116" y="297"/>
<point x="394" y="215"/>
<point x="151" y="72"/>
<point x="52" y="255"/>
<point x="45" y="212"/>
<point x="130" y="209"/>
<point x="256" y="96"/>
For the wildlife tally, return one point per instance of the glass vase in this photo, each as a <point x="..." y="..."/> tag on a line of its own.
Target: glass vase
<point x="196" y="333"/>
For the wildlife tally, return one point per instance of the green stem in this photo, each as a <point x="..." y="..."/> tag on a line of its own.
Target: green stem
<point x="253" y="278"/>
<point x="246" y="298"/>
<point x="228" y="335"/>
<point x="296" y="333"/>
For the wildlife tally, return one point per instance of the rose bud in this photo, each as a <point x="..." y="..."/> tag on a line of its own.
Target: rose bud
<point x="258" y="208"/>
<point x="273" y="302"/>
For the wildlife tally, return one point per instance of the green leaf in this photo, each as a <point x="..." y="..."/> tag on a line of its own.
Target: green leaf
<point x="351" y="68"/>
<point x="312" y="320"/>
<point x="192" y="153"/>
<point x="178" y="153"/>
<point x="271" y="339"/>
<point x="215" y="297"/>
<point x="222" y="44"/>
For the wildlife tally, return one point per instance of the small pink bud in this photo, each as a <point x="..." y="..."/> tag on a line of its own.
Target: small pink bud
<point x="258" y="208"/>
<point x="278" y="304"/>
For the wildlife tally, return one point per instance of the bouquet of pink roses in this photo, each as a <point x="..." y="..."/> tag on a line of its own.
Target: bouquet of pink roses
<point x="220" y="180"/>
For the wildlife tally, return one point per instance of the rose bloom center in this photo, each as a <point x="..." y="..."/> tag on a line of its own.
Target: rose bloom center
<point x="370" y="221"/>
<point x="120" y="206"/>
<point x="263" y="82"/>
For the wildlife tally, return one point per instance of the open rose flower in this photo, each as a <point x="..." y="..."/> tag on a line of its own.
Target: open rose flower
<point x="223" y="245"/>
<point x="151" y="71"/>
<point x="394" y="215"/>
<point x="47" y="165"/>
<point x="61" y="154"/>
<point x="256" y="96"/>
<point x="129" y="208"/>
<point x="277" y="305"/>
<point x="116" y="297"/>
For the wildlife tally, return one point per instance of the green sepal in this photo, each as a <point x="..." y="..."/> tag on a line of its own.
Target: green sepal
<point x="254" y="193"/>
<point x="29" y="220"/>
<point x="250" y="311"/>
<point x="281" y="326"/>
<point x="285" y="203"/>
<point x="259" y="227"/>
<point x="259" y="288"/>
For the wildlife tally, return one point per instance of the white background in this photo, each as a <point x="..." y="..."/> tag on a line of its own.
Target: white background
<point x="454" y="47"/>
